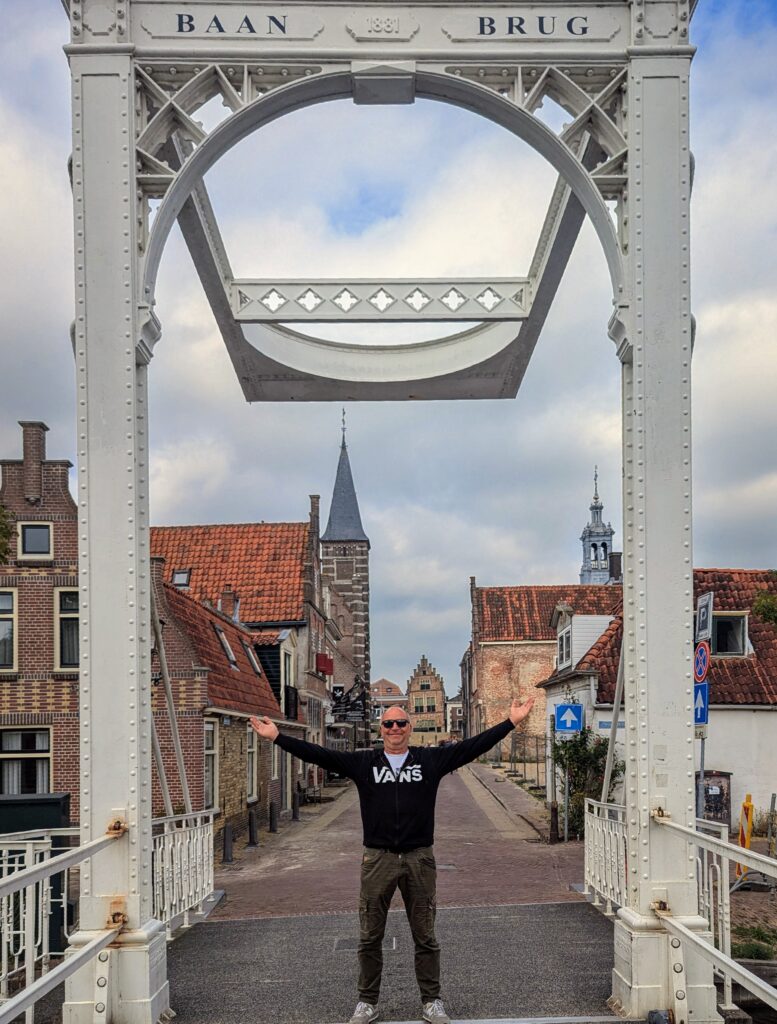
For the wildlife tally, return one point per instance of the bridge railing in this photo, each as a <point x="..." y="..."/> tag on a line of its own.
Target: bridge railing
<point x="182" y="872"/>
<point x="605" y="854"/>
<point x="606" y="873"/>
<point x="182" y="867"/>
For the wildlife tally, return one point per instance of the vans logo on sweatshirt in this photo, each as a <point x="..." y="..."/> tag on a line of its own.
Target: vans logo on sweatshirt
<point x="385" y="774"/>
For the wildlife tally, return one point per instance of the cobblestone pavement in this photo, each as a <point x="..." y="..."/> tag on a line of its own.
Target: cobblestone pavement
<point x="486" y="856"/>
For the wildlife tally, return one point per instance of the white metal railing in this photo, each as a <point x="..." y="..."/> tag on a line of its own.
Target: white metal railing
<point x="712" y="880"/>
<point x="182" y="869"/>
<point x="605" y="879"/>
<point x="24" y="914"/>
<point x="26" y="869"/>
<point x="182" y="866"/>
<point x="605" y="854"/>
<point x="714" y="853"/>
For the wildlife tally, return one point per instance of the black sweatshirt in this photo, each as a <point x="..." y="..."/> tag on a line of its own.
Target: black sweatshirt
<point x="397" y="811"/>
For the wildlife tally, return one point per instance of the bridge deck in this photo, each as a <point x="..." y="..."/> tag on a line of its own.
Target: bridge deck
<point x="506" y="963"/>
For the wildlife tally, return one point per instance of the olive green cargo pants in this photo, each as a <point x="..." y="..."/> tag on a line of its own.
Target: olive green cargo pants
<point x="415" y="874"/>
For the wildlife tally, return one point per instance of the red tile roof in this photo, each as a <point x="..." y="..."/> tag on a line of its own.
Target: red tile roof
<point x="524" y="613"/>
<point x="234" y="689"/>
<point x="262" y="562"/>
<point x="733" y="680"/>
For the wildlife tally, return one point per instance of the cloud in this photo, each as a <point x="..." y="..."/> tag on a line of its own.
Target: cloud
<point x="499" y="490"/>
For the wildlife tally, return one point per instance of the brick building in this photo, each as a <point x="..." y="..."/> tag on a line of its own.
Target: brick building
<point x="514" y="646"/>
<point x="454" y="717"/>
<point x="218" y="683"/>
<point x="39" y="733"/>
<point x="426" y="704"/>
<point x="39" y="666"/>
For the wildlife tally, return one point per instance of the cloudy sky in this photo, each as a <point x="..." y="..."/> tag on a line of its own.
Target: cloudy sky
<point x="498" y="490"/>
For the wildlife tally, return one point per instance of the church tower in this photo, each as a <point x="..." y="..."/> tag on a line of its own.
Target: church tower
<point x="597" y="542"/>
<point x="345" y="562"/>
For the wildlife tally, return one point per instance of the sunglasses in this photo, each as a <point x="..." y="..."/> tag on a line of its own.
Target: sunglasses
<point x="400" y="723"/>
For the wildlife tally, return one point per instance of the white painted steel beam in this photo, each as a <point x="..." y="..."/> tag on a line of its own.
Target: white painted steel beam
<point x="358" y="300"/>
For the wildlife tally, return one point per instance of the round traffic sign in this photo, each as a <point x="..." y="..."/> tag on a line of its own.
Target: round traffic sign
<point x="701" y="661"/>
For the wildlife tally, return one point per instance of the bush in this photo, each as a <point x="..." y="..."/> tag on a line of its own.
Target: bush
<point x="754" y="942"/>
<point x="584" y="756"/>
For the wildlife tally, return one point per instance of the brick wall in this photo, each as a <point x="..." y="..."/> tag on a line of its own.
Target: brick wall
<point x="506" y="671"/>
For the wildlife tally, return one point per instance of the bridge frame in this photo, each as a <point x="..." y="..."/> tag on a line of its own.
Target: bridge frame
<point x="140" y="70"/>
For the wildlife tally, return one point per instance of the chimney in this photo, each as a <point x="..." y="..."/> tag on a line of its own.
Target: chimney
<point x="229" y="603"/>
<point x="315" y="525"/>
<point x="33" y="455"/>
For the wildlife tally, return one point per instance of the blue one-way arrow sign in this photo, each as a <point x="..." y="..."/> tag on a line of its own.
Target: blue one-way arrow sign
<point x="569" y="717"/>
<point x="701" y="703"/>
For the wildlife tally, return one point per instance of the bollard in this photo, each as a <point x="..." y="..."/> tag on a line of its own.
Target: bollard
<point x="253" y="830"/>
<point x="273" y="816"/>
<point x="553" y="836"/>
<point x="227" y="858"/>
<point x="295" y="806"/>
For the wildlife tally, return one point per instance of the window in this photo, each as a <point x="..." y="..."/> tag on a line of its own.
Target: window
<point x="288" y="671"/>
<point x="25" y="761"/>
<point x="211" y="763"/>
<point x="729" y="634"/>
<point x="225" y="644"/>
<point x="431" y="705"/>
<point x="66" y="626"/>
<point x="35" y="541"/>
<point x="181" y="577"/>
<point x="251" y="764"/>
<point x="425" y="686"/>
<point x="251" y="655"/>
<point x="565" y="647"/>
<point x="8" y="630"/>
<point x="418" y="703"/>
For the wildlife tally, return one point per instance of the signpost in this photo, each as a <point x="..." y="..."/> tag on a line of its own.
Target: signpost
<point x="701" y="690"/>
<point x="568" y="720"/>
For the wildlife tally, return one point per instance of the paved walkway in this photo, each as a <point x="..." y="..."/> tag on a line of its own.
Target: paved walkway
<point x="486" y="855"/>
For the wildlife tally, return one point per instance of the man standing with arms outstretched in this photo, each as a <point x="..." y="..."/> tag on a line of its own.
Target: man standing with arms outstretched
<point x="397" y="792"/>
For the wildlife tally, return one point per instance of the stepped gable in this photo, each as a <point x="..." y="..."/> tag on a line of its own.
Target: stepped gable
<point x="236" y="688"/>
<point x="262" y="562"/>
<point x="524" y="613"/>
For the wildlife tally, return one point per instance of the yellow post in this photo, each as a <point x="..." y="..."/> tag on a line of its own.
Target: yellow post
<point x="745" y="830"/>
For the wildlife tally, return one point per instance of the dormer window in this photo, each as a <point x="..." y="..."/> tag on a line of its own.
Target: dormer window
<point x="181" y="577"/>
<point x="35" y="541"/>
<point x="251" y="657"/>
<point x="729" y="634"/>
<point x="565" y="647"/>
<point x="225" y="644"/>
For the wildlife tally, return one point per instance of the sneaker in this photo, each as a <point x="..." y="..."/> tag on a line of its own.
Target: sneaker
<point x="365" y="1013"/>
<point x="435" y="1013"/>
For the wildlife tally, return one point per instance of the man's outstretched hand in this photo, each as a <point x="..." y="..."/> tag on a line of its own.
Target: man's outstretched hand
<point x="264" y="727"/>
<point x="519" y="711"/>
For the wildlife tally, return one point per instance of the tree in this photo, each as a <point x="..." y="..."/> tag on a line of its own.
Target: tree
<point x="584" y="756"/>
<point x="7" y="531"/>
<point x="765" y="607"/>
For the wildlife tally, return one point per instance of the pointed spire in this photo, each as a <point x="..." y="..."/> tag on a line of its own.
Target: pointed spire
<point x="596" y="468"/>
<point x="345" y="521"/>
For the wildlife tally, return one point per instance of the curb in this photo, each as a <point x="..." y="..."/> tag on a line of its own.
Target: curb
<point x="541" y="830"/>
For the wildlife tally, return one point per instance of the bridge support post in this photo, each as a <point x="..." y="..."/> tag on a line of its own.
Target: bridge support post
<point x="114" y="578"/>
<point x="654" y="334"/>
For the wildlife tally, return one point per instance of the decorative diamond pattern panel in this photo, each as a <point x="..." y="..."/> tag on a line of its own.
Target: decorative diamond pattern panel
<point x="397" y="300"/>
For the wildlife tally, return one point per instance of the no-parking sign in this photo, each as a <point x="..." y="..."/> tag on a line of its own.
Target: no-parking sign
<point x="701" y="661"/>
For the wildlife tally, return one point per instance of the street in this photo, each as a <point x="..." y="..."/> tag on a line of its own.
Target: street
<point x="485" y="857"/>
